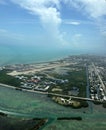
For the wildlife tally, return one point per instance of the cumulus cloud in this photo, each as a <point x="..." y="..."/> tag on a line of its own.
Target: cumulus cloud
<point x="48" y="12"/>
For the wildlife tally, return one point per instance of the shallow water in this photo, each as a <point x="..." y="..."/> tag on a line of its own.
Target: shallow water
<point x="33" y="104"/>
<point x="25" y="104"/>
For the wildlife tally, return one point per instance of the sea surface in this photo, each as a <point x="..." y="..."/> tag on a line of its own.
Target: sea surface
<point x="32" y="105"/>
<point x="19" y="54"/>
<point x="26" y="54"/>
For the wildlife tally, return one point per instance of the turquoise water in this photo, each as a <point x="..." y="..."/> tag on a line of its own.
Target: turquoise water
<point x="12" y="54"/>
<point x="26" y="54"/>
<point x="33" y="104"/>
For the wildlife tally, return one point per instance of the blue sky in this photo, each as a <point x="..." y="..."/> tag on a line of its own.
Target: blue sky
<point x="54" y="24"/>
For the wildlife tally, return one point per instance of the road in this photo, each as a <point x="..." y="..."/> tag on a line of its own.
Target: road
<point x="96" y="71"/>
<point x="87" y="89"/>
<point x="46" y="93"/>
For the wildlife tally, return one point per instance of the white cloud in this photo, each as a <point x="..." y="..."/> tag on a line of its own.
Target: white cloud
<point x="48" y="12"/>
<point x="78" y="22"/>
<point x="72" y="22"/>
<point x="45" y="9"/>
<point x="94" y="8"/>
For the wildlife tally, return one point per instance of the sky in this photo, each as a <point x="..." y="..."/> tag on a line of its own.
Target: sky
<point x="54" y="24"/>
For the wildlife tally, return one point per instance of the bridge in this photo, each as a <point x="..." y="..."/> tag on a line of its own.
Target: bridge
<point x="47" y="93"/>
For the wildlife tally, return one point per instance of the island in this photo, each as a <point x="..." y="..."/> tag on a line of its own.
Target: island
<point x="73" y="81"/>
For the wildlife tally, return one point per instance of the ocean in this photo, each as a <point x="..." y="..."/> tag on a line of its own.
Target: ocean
<point x="25" y="54"/>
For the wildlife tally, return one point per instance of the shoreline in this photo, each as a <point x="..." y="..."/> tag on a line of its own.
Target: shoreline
<point x="45" y="93"/>
<point x="37" y="61"/>
<point x="44" y="66"/>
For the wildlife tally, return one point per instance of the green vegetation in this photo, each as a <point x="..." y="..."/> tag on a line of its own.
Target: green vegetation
<point x="82" y="103"/>
<point x="61" y="84"/>
<point x="9" y="80"/>
<point x="78" y="79"/>
<point x="75" y="79"/>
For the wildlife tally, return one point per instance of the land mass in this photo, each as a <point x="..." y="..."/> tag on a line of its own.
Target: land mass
<point x="72" y="81"/>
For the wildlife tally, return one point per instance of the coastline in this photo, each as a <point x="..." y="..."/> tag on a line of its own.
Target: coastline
<point x="35" y="103"/>
<point x="31" y="60"/>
